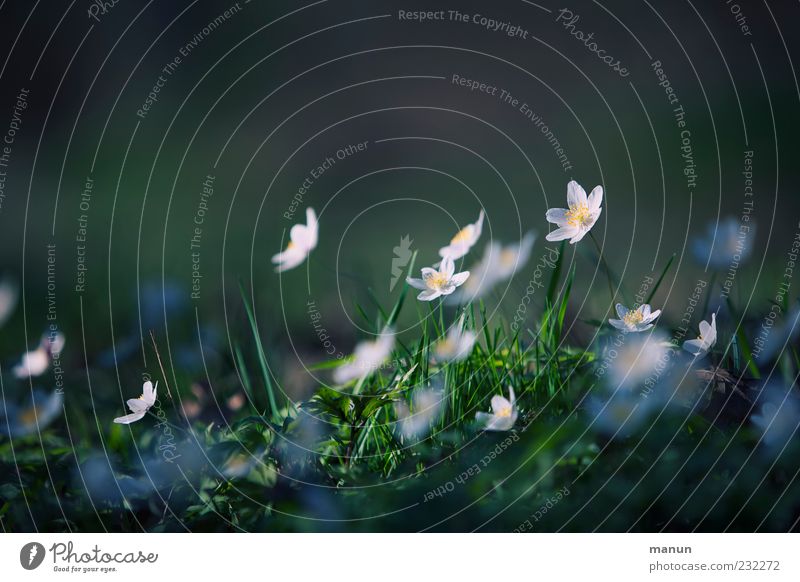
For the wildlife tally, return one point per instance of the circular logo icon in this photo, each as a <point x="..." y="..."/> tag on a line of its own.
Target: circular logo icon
<point x="31" y="555"/>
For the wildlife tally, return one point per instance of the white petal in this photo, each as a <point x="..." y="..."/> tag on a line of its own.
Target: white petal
<point x="129" y="418"/>
<point x="313" y="228"/>
<point x="694" y="347"/>
<point x="499" y="403"/>
<point x="622" y="311"/>
<point x="575" y="194"/>
<point x="562" y="233"/>
<point x="416" y="283"/>
<point x="654" y="315"/>
<point x="595" y="198"/>
<point x="428" y="272"/>
<point x="137" y="405"/>
<point x="556" y="216"/>
<point x="476" y="233"/>
<point x="300" y="236"/>
<point x="448" y="267"/>
<point x="619" y="324"/>
<point x="578" y="236"/>
<point x="428" y="295"/>
<point x="459" y="278"/>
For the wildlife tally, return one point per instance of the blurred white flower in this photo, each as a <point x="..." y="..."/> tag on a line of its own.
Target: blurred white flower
<point x="9" y="293"/>
<point x="577" y="220"/>
<point x="457" y="345"/>
<point x="140" y="406"/>
<point x="708" y="337"/>
<point x="724" y="243"/>
<point x="415" y="421"/>
<point x="503" y="415"/>
<point x="639" y="358"/>
<point x="302" y="240"/>
<point x="464" y="240"/>
<point x="497" y="264"/>
<point x="513" y="257"/>
<point x="639" y="319"/>
<point x="44" y="408"/>
<point x="621" y="414"/>
<point x="437" y="283"/>
<point x="780" y="336"/>
<point x="482" y="278"/>
<point x="778" y="418"/>
<point x="36" y="362"/>
<point x="367" y="358"/>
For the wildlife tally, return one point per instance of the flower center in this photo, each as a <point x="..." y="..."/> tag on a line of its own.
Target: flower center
<point x="462" y="235"/>
<point x="504" y="412"/>
<point x="633" y="318"/>
<point x="436" y="281"/>
<point x="508" y="257"/>
<point x="28" y="417"/>
<point x="290" y="246"/>
<point x="578" y="215"/>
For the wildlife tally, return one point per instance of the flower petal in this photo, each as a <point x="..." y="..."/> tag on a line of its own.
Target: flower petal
<point x="448" y="267"/>
<point x="428" y="295"/>
<point x="556" y="216"/>
<point x="129" y="418"/>
<point x="459" y="278"/>
<point x="622" y="311"/>
<point x="619" y="324"/>
<point x="416" y="283"/>
<point x="562" y="233"/>
<point x="595" y="198"/>
<point x="575" y="194"/>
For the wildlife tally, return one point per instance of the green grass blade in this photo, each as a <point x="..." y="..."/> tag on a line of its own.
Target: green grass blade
<point x="262" y="359"/>
<point x="660" y="279"/>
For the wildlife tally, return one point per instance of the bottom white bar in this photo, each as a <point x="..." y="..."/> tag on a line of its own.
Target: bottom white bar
<point x="401" y="557"/>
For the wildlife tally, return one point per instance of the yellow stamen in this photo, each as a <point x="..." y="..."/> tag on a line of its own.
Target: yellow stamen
<point x="504" y="412"/>
<point x="508" y="257"/>
<point x="436" y="281"/>
<point x="578" y="215"/>
<point x="290" y="246"/>
<point x="633" y="318"/>
<point x="28" y="417"/>
<point x="462" y="235"/>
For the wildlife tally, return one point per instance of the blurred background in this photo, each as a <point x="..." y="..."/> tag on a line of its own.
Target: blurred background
<point x="129" y="122"/>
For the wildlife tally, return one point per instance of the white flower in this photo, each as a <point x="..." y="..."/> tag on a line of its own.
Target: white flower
<point x="640" y="319"/>
<point x="778" y="418"/>
<point x="514" y="256"/>
<point x="781" y="336"/>
<point x="620" y="415"/>
<point x="9" y="293"/>
<point x="456" y="346"/>
<point x="708" y="337"/>
<point x="504" y="413"/>
<point x="140" y="406"/>
<point x="416" y="421"/>
<point x="302" y="240"/>
<point x="437" y="283"/>
<point x="43" y="409"/>
<point x="483" y="276"/>
<point x="723" y="243"/>
<point x="36" y="362"/>
<point x="639" y="358"/>
<point x="497" y="264"/>
<point x="367" y="358"/>
<point x="464" y="240"/>
<point x="574" y="222"/>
